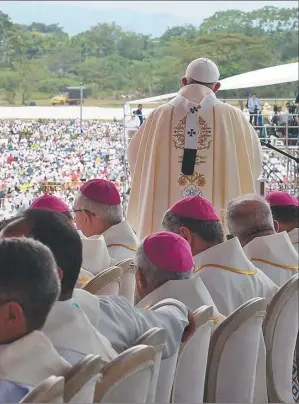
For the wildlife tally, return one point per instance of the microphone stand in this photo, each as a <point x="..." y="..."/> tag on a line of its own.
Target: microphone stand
<point x="289" y="156"/>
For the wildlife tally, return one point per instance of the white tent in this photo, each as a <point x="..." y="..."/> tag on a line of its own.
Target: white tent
<point x="257" y="78"/>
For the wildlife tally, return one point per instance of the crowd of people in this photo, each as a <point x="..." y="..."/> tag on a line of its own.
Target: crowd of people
<point x="49" y="253"/>
<point x="274" y="122"/>
<point x="56" y="156"/>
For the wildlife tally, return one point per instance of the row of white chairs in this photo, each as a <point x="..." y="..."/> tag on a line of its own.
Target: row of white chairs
<point x="207" y="368"/>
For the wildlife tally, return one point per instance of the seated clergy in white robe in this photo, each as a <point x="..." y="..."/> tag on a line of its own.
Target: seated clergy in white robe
<point x="192" y="145"/>
<point x="229" y="276"/>
<point x="98" y="211"/>
<point x="164" y="269"/>
<point x="29" y="286"/>
<point x="67" y="326"/>
<point x="81" y="323"/>
<point x="250" y="219"/>
<point x="285" y="211"/>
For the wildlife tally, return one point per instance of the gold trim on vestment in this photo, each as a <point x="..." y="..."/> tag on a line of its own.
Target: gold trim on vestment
<point x="290" y="267"/>
<point x="216" y="319"/>
<point x="128" y="247"/>
<point x="236" y="270"/>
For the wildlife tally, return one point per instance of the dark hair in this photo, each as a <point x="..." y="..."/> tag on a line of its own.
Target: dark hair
<point x="28" y="277"/>
<point x="285" y="214"/>
<point x="209" y="231"/>
<point x="5" y="222"/>
<point x="55" y="231"/>
<point x="192" y="81"/>
<point x="68" y="215"/>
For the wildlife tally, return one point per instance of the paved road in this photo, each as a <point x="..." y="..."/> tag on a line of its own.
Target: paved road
<point x="63" y="112"/>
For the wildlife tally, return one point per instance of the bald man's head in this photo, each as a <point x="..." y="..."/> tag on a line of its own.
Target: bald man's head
<point x="249" y="216"/>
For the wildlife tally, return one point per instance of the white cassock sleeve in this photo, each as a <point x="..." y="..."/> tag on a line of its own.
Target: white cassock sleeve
<point x="122" y="324"/>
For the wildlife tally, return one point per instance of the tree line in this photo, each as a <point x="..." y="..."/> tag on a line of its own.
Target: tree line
<point x="111" y="62"/>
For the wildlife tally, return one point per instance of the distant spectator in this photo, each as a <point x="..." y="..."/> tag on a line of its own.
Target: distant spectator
<point x="254" y="107"/>
<point x="139" y="114"/>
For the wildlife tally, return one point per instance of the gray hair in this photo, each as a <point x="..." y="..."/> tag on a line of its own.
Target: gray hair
<point x="155" y="276"/>
<point x="192" y="81"/>
<point x="209" y="231"/>
<point x="248" y="214"/>
<point x="112" y="214"/>
<point x="28" y="277"/>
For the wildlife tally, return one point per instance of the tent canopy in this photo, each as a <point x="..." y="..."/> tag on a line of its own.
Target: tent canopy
<point x="256" y="78"/>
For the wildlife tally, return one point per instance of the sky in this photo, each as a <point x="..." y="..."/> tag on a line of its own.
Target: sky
<point x="185" y="9"/>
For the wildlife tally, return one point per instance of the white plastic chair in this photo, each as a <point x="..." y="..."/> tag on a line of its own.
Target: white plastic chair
<point x="49" y="391"/>
<point x="107" y="282"/>
<point x="80" y="379"/>
<point x="128" y="280"/>
<point x="127" y="378"/>
<point x="154" y="337"/>
<point x="189" y="379"/>
<point x="231" y="366"/>
<point x="280" y="333"/>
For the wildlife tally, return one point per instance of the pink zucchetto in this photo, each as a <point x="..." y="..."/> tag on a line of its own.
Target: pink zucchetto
<point x="168" y="252"/>
<point x="49" y="202"/>
<point x="195" y="207"/>
<point x="101" y="191"/>
<point x="281" y="199"/>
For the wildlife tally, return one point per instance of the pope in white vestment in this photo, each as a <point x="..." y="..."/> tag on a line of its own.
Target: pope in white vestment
<point x="275" y="255"/>
<point x="25" y="363"/>
<point x="193" y="145"/>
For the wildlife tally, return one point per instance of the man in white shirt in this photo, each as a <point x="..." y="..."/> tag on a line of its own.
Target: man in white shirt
<point x="81" y="323"/>
<point x="253" y="107"/>
<point x="250" y="219"/>
<point x="98" y="210"/>
<point x="29" y="286"/>
<point x="285" y="211"/>
<point x="165" y="269"/>
<point x="229" y="276"/>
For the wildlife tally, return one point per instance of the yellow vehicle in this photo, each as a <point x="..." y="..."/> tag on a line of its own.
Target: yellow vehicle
<point x="70" y="96"/>
<point x="60" y="99"/>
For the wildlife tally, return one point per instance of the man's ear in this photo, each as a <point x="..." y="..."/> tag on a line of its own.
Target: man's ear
<point x="184" y="81"/>
<point x="59" y="273"/>
<point x="217" y="87"/>
<point x="276" y="226"/>
<point x="140" y="280"/>
<point x="186" y="234"/>
<point x="87" y="218"/>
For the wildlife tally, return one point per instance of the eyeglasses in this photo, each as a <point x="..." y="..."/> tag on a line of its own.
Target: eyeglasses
<point x="74" y="211"/>
<point x="133" y="268"/>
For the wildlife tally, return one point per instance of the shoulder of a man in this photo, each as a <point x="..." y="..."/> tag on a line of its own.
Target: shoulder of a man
<point x="228" y="108"/>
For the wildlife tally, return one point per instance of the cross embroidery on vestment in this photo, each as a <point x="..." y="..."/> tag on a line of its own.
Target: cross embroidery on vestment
<point x="191" y="132"/>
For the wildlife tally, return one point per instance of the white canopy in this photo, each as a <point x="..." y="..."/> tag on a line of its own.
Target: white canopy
<point x="257" y="78"/>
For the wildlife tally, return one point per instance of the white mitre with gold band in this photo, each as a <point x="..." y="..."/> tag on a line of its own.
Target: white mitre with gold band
<point x="230" y="277"/>
<point x="275" y="255"/>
